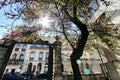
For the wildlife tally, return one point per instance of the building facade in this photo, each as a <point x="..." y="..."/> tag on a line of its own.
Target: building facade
<point x="17" y="58"/>
<point x="28" y="57"/>
<point x="34" y="58"/>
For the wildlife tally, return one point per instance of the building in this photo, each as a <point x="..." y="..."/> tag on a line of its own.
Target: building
<point x="17" y="58"/>
<point x="36" y="58"/>
<point x="31" y="57"/>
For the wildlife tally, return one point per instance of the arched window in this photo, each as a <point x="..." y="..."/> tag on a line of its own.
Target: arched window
<point x="21" y="57"/>
<point x="24" y="47"/>
<point x="39" y="67"/>
<point x="29" y="67"/>
<point x="14" y="56"/>
<point x="17" y="47"/>
<point x="40" y="56"/>
<point x="32" y="55"/>
<point x="34" y="68"/>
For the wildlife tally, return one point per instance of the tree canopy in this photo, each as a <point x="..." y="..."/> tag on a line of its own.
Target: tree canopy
<point x="71" y="19"/>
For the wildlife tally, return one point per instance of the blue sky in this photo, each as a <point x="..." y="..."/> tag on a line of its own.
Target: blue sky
<point x="6" y="22"/>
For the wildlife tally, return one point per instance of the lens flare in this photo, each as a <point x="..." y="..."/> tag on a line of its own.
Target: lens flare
<point x="78" y="61"/>
<point x="44" y="21"/>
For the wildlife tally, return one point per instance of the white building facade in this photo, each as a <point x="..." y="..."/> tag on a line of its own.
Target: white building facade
<point x="34" y="58"/>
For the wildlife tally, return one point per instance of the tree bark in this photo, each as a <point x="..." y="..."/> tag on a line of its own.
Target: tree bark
<point x="78" y="51"/>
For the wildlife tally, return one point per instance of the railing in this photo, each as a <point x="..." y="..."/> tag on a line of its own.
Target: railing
<point x="39" y="47"/>
<point x="15" y="62"/>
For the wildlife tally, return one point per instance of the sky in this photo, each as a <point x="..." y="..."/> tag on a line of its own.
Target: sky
<point x="4" y="21"/>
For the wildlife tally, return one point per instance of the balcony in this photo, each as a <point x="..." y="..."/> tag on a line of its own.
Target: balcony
<point x="39" y="47"/>
<point x="15" y="62"/>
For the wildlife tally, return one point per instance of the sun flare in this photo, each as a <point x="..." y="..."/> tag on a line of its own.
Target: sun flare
<point x="45" y="22"/>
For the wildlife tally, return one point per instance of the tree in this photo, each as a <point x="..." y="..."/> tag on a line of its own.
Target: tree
<point x="108" y="44"/>
<point x="78" y="50"/>
<point x="24" y="34"/>
<point x="74" y="11"/>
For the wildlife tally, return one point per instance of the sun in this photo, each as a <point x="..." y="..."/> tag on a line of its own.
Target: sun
<point x="45" y="22"/>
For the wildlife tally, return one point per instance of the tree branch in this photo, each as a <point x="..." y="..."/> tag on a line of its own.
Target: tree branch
<point x="64" y="27"/>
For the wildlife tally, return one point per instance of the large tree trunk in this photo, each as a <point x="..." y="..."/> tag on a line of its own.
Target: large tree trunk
<point x="78" y="51"/>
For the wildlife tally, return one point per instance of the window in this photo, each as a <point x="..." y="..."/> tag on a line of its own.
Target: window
<point x="29" y="67"/>
<point x="40" y="55"/>
<point x="24" y="47"/>
<point x="13" y="71"/>
<point x="34" y="68"/>
<point x="14" y="56"/>
<point x="41" y="46"/>
<point x="32" y="46"/>
<point x="46" y="46"/>
<point x="21" y="57"/>
<point x="47" y="55"/>
<point x="32" y="55"/>
<point x="46" y="69"/>
<point x="6" y="70"/>
<point x="17" y="47"/>
<point x="39" y="67"/>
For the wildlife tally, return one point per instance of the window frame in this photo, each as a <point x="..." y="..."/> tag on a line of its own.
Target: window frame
<point x="32" y="58"/>
<point x="40" y="56"/>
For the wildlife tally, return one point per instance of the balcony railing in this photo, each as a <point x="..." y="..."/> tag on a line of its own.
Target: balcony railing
<point x="15" y="62"/>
